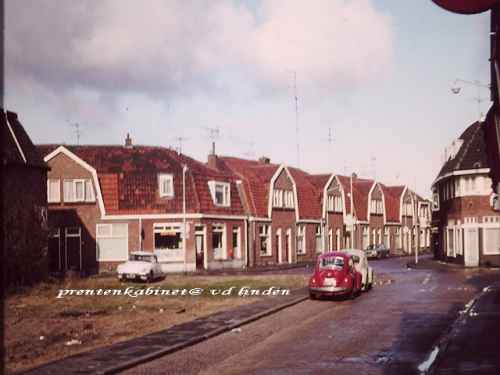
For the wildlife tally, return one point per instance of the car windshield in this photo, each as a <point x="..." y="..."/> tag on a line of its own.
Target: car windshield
<point x="141" y="258"/>
<point x="332" y="262"/>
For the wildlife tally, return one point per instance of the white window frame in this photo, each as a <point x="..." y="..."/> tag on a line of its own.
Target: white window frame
<point x="330" y="203"/>
<point x="288" y="199"/>
<point x="162" y="179"/>
<point x="277" y="198"/>
<point x="265" y="232"/>
<point x="87" y="184"/>
<point x="318" y="237"/>
<point x="492" y="223"/>
<point x="301" y="234"/>
<point x="56" y="192"/>
<point x="366" y="237"/>
<point x="220" y="253"/>
<point x="120" y="257"/>
<point x="226" y="193"/>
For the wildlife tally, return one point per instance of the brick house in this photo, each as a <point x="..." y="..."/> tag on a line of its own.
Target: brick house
<point x="310" y="226"/>
<point x="392" y="205"/>
<point x="270" y="195"/>
<point x="106" y="201"/>
<point x="465" y="227"/>
<point x="24" y="202"/>
<point x="492" y="122"/>
<point x="336" y="205"/>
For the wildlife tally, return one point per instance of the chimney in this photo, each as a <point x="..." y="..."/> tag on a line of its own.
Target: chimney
<point x="128" y="141"/>
<point x="264" y="160"/>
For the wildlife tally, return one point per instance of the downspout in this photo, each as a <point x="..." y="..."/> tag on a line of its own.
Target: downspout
<point x="247" y="243"/>
<point x="140" y="233"/>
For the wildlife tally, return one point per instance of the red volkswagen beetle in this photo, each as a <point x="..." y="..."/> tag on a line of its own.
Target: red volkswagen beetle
<point x="334" y="275"/>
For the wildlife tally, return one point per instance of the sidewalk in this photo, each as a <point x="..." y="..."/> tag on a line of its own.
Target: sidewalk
<point x="471" y="347"/>
<point x="127" y="354"/>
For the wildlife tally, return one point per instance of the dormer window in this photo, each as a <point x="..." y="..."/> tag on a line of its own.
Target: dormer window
<point x="221" y="193"/>
<point x="289" y="202"/>
<point x="278" y="198"/>
<point x="78" y="190"/>
<point x="377" y="207"/>
<point x="166" y="185"/>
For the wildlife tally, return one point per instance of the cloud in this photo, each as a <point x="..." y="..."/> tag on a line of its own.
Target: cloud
<point x="169" y="48"/>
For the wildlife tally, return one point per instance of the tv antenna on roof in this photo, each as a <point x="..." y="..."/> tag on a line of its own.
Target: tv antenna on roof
<point x="213" y="134"/>
<point x="78" y="132"/>
<point x="180" y="140"/>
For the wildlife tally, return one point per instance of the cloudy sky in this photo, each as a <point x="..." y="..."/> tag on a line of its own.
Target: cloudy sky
<point x="373" y="78"/>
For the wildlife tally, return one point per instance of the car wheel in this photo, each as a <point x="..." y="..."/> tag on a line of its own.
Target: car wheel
<point x="312" y="296"/>
<point x="151" y="276"/>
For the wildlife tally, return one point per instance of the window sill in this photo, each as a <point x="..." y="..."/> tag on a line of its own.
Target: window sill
<point x="266" y="255"/>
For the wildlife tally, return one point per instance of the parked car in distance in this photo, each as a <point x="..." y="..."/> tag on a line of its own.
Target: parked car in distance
<point x="334" y="274"/>
<point x="141" y="265"/>
<point x="361" y="264"/>
<point x="377" y="251"/>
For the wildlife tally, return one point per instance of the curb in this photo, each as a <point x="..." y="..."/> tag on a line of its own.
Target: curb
<point x="195" y="340"/>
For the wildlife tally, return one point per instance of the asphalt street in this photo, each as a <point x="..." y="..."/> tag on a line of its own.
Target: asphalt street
<point x="389" y="330"/>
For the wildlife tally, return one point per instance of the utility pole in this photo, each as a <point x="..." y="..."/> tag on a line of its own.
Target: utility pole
<point x="296" y="116"/>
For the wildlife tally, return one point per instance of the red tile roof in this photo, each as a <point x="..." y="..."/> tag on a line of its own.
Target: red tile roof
<point x="392" y="201"/>
<point x="128" y="180"/>
<point x="308" y="195"/>
<point x="361" y="188"/>
<point x="256" y="177"/>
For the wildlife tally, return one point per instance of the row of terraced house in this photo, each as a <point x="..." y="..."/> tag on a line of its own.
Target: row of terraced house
<point x="107" y="201"/>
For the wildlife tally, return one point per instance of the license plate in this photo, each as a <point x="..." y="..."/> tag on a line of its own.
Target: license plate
<point x="329" y="281"/>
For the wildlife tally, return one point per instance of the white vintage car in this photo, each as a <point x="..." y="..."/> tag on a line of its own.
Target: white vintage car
<point x="361" y="265"/>
<point x="141" y="265"/>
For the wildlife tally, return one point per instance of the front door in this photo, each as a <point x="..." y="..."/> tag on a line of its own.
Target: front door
<point x="200" y="250"/>
<point x="73" y="249"/>
<point x="471" y="250"/>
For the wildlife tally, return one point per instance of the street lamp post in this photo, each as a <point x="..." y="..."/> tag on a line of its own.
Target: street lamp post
<point x="456" y="88"/>
<point x="184" y="231"/>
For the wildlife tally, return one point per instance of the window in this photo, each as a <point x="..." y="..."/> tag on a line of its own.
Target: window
<point x="265" y="246"/>
<point x="78" y="190"/>
<point x="366" y="239"/>
<point x="236" y="243"/>
<point x="376" y="207"/>
<point x="167" y="237"/>
<point x="398" y="238"/>
<point x="166" y="185"/>
<point x="278" y="198"/>
<point x="387" y="238"/>
<point x="334" y="203"/>
<point x="435" y="201"/>
<point x="338" y="204"/>
<point x="112" y="242"/>
<point x="301" y="239"/>
<point x="318" y="237"/>
<point x="407" y="209"/>
<point x="491" y="241"/>
<point x="218" y="243"/>
<point x="289" y="202"/>
<point x="330" y="203"/>
<point x="53" y="190"/>
<point x="451" y="247"/>
<point x="221" y="193"/>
